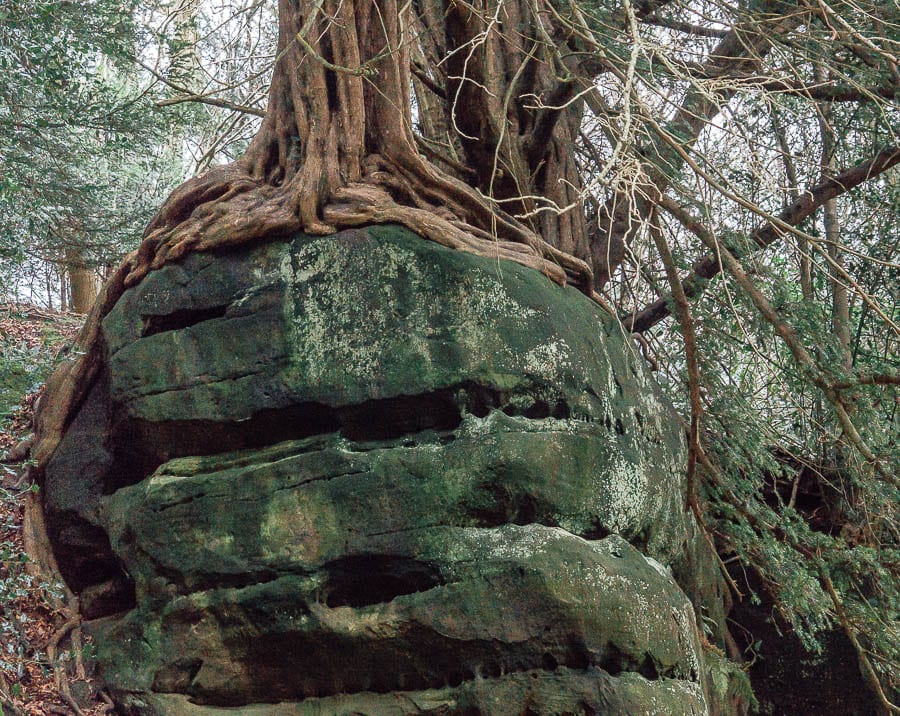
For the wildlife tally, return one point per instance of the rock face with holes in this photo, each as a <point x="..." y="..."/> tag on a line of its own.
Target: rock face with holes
<point x="367" y="474"/>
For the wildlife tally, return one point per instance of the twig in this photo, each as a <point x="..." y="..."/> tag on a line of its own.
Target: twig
<point x="685" y="27"/>
<point x="213" y="102"/>
<point x="865" y="665"/>
<point x="419" y="71"/>
<point x="683" y="313"/>
<point x="794" y="488"/>
<point x="364" y="70"/>
<point x="645" y="351"/>
<point x="188" y="96"/>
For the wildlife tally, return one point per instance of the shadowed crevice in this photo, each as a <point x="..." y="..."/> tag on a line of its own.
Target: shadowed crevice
<point x="447" y="666"/>
<point x="363" y="580"/>
<point x="180" y="319"/>
<point x="141" y="446"/>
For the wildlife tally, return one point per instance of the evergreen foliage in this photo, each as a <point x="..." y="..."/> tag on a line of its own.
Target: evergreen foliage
<point x="84" y="159"/>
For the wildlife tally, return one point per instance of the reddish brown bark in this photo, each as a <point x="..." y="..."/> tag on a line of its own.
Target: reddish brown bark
<point x="336" y="149"/>
<point x="510" y="97"/>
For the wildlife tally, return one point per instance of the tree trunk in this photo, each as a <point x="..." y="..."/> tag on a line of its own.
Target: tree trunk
<point x="336" y="149"/>
<point x="510" y="98"/>
<point x="184" y="62"/>
<point x="82" y="281"/>
<point x="63" y="291"/>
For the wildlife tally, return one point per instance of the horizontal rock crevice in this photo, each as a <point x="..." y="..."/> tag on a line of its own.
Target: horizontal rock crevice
<point x="177" y="680"/>
<point x="590" y="692"/>
<point x="180" y="319"/>
<point x="140" y="446"/>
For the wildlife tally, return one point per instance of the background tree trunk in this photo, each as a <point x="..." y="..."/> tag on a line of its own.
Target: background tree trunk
<point x="82" y="281"/>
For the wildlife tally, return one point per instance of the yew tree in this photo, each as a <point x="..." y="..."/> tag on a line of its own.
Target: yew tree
<point x="465" y="121"/>
<point x="636" y="149"/>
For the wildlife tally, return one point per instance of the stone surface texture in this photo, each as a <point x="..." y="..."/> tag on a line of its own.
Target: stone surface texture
<point x="367" y="474"/>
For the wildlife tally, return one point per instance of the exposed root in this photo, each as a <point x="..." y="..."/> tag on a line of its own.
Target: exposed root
<point x="43" y="563"/>
<point x="245" y="211"/>
<point x="66" y="695"/>
<point x="110" y="705"/>
<point x="78" y="650"/>
<point x="71" y="623"/>
<point x="364" y="204"/>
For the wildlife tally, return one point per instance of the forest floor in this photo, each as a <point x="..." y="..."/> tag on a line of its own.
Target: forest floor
<point x="35" y="625"/>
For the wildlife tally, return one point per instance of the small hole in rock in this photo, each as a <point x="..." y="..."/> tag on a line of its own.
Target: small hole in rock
<point x="648" y="670"/>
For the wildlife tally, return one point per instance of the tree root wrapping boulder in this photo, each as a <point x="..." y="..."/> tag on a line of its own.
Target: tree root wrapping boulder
<point x="366" y="474"/>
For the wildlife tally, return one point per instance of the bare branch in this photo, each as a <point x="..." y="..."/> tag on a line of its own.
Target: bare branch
<point x="685" y="27"/>
<point x="188" y="96"/>
<point x="212" y="101"/>
<point x="683" y="312"/>
<point x="869" y="379"/>
<point x="422" y="76"/>
<point x="829" y="91"/>
<point x="795" y="212"/>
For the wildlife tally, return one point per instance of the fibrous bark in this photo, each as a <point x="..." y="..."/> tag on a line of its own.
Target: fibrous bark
<point x="336" y="149"/>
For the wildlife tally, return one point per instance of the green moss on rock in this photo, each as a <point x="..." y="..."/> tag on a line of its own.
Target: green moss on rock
<point x="367" y="474"/>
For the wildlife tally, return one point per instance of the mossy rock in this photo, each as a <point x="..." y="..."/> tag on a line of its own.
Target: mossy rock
<point x="367" y="474"/>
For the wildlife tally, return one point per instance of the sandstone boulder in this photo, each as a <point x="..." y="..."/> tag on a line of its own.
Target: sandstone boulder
<point x="367" y="474"/>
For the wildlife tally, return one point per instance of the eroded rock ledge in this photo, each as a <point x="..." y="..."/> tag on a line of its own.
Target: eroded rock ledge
<point x="366" y="474"/>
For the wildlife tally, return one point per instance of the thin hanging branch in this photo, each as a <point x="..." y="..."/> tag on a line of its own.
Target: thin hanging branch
<point x="769" y="232"/>
<point x="806" y="362"/>
<point x="683" y="313"/>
